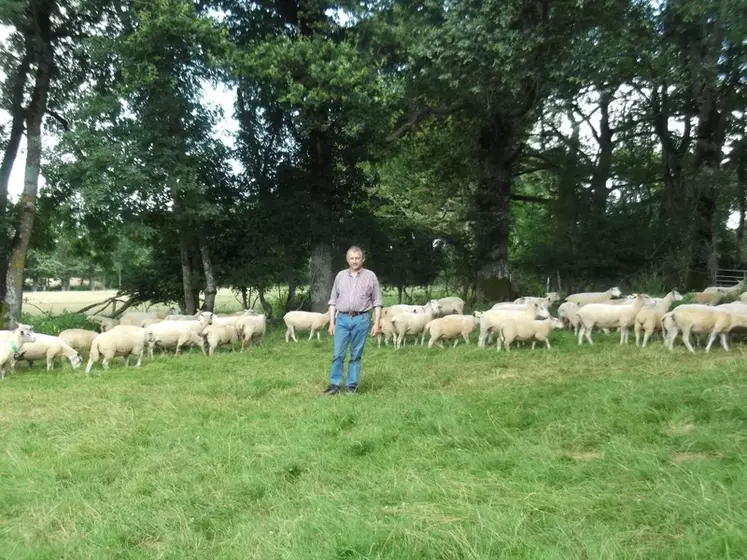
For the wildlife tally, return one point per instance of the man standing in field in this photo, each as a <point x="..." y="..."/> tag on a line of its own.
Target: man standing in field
<point x="355" y="292"/>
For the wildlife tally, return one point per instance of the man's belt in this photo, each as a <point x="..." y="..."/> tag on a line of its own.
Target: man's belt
<point x="353" y="313"/>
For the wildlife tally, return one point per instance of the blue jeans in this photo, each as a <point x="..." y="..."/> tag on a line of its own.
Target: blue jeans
<point x="350" y="331"/>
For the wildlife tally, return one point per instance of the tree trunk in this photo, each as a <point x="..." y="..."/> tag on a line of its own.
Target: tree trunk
<point x="603" y="168"/>
<point x="244" y="298"/>
<point x="498" y="149"/>
<point x="322" y="276"/>
<point x="710" y="136"/>
<point x="27" y="203"/>
<point x="290" y="301"/>
<point x="18" y="114"/>
<point x="399" y="294"/>
<point x="207" y="265"/>
<point x="741" y="165"/>
<point x="189" y="298"/>
<point x="264" y="303"/>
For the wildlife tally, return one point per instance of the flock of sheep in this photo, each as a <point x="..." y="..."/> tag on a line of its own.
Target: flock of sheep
<point x="526" y="319"/>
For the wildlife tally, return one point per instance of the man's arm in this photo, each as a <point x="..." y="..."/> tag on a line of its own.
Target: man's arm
<point x="376" y="322"/>
<point x="378" y="302"/>
<point x="332" y="304"/>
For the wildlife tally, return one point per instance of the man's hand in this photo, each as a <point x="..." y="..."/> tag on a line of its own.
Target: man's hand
<point x="332" y="328"/>
<point x="375" y="329"/>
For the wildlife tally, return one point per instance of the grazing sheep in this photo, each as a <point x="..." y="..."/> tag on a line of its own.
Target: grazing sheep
<point x="698" y="319"/>
<point x="649" y="318"/>
<point x="12" y="344"/>
<point x="122" y="340"/>
<point x="175" y="334"/>
<point x="78" y="339"/>
<point x="414" y="323"/>
<point x="730" y="292"/>
<point x="104" y="323"/>
<point x="232" y="319"/>
<point x="250" y="327"/>
<point x="451" y="327"/>
<point x="135" y="318"/>
<point x="585" y="298"/>
<point x="547" y="301"/>
<point x="451" y="306"/>
<point x="220" y="335"/>
<point x="522" y="328"/>
<point x="145" y="323"/>
<point x="603" y="315"/>
<point x="304" y="321"/>
<point x="47" y="347"/>
<point x="195" y="317"/>
<point x="386" y="327"/>
<point x="491" y="321"/>
<point x="709" y="298"/>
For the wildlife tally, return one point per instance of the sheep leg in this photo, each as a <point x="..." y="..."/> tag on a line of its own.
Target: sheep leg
<point x="686" y="339"/>
<point x="140" y="357"/>
<point x="293" y="334"/>
<point x="127" y="360"/>
<point x="547" y="342"/>
<point x="456" y="341"/>
<point x="432" y="341"/>
<point x="311" y="335"/>
<point x="580" y="334"/>
<point x="105" y="363"/>
<point x="711" y="338"/>
<point x="645" y="339"/>
<point x="50" y="363"/>
<point x="318" y="335"/>
<point x="287" y="334"/>
<point x="533" y="342"/>
<point x="723" y="342"/>
<point x="588" y="333"/>
<point x="637" y="331"/>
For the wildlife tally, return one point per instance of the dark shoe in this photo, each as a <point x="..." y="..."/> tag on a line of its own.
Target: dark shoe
<point x="330" y="390"/>
<point x="351" y="388"/>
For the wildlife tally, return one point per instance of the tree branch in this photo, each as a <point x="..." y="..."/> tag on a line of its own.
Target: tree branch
<point x="59" y="118"/>
<point x="420" y="115"/>
<point x="530" y="198"/>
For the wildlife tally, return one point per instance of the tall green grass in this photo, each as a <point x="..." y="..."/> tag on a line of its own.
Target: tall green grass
<point x="591" y="452"/>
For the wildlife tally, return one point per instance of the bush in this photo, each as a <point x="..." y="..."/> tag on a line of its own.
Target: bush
<point x="54" y="325"/>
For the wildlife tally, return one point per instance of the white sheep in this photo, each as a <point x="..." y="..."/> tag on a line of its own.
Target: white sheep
<point x="304" y="321"/>
<point x="607" y="316"/>
<point x="648" y="319"/>
<point x="709" y="298"/>
<point x="195" y="317"/>
<point x="522" y="328"/>
<point x="78" y="339"/>
<point x="251" y="327"/>
<point x="220" y="335"/>
<point x="414" y="323"/>
<point x="135" y="318"/>
<point x="12" y="344"/>
<point x="726" y="291"/>
<point x="568" y="313"/>
<point x="491" y="321"/>
<point x="698" y="319"/>
<point x="147" y="322"/>
<point x="386" y="327"/>
<point x="175" y="334"/>
<point x="47" y="347"/>
<point x="451" y="327"/>
<point x="232" y="319"/>
<point x="122" y="340"/>
<point x="451" y="305"/>
<point x="104" y="323"/>
<point x="585" y="298"/>
<point x="547" y="301"/>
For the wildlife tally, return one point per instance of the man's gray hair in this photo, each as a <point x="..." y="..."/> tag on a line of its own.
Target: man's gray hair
<point x="356" y="249"/>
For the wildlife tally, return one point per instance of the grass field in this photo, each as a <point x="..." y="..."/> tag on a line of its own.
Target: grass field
<point x="592" y="452"/>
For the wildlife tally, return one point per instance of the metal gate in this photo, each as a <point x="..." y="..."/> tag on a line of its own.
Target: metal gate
<point x="729" y="276"/>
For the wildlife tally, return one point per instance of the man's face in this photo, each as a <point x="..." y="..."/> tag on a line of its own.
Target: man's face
<point x="355" y="260"/>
